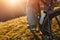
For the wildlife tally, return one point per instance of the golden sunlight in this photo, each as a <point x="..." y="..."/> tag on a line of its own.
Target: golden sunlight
<point x="12" y="2"/>
<point x="11" y="8"/>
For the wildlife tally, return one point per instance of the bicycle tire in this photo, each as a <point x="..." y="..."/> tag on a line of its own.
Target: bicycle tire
<point x="45" y="30"/>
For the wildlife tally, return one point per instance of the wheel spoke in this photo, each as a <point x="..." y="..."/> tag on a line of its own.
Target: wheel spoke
<point x="57" y="21"/>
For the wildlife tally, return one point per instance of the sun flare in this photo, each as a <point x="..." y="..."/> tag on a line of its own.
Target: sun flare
<point x="12" y="2"/>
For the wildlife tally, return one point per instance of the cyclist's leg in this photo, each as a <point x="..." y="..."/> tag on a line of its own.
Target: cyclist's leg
<point x="32" y="21"/>
<point x="31" y="18"/>
<point x="32" y="10"/>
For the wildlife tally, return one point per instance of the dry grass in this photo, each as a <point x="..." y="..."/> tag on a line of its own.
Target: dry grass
<point x="16" y="29"/>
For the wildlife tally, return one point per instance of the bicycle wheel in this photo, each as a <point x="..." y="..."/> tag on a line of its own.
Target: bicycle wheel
<point x="47" y="27"/>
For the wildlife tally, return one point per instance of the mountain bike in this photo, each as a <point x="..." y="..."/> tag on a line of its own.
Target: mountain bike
<point x="45" y="20"/>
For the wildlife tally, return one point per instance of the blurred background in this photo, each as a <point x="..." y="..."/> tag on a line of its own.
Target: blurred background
<point x="12" y="8"/>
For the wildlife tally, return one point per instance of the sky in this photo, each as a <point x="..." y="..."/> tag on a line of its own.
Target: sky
<point x="10" y="8"/>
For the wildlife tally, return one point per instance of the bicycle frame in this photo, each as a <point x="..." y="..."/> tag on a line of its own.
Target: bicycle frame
<point x="48" y="6"/>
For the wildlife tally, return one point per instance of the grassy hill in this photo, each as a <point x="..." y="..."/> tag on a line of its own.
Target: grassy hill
<point x="16" y="29"/>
